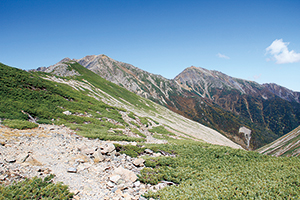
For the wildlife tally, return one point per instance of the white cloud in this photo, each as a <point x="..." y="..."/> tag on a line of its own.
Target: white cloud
<point x="279" y="50"/>
<point x="222" y="56"/>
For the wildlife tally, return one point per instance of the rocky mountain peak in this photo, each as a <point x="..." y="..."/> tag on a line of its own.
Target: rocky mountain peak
<point x="65" y="60"/>
<point x="60" y="68"/>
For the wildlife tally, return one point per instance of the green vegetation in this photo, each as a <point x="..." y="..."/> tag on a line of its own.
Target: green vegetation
<point x="204" y="171"/>
<point x="19" y="124"/>
<point x="155" y="122"/>
<point x="35" y="188"/>
<point x="134" y="130"/>
<point x="98" y="129"/>
<point x="144" y="120"/>
<point x="44" y="121"/>
<point x="135" y="124"/>
<point x="112" y="89"/>
<point x="130" y="150"/>
<point x="46" y="100"/>
<point x="199" y="170"/>
<point x="160" y="130"/>
<point x="131" y="115"/>
<point x="226" y="122"/>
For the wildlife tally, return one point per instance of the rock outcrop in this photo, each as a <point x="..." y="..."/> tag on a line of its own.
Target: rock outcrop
<point x="60" y="68"/>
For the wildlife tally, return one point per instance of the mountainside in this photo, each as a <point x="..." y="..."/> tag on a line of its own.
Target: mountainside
<point x="152" y="152"/>
<point x="287" y="145"/>
<point x="283" y="92"/>
<point x="94" y="107"/>
<point x="210" y="97"/>
<point x="248" y="99"/>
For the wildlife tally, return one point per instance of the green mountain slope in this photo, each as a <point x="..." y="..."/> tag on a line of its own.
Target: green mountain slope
<point x="209" y="97"/>
<point x="287" y="145"/>
<point x="94" y="107"/>
<point x="100" y="109"/>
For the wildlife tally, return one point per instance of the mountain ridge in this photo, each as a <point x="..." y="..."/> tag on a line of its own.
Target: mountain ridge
<point x="95" y="107"/>
<point x="206" y="96"/>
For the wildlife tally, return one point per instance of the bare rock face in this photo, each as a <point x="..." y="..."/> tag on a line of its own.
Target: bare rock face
<point x="59" y="69"/>
<point x="247" y="134"/>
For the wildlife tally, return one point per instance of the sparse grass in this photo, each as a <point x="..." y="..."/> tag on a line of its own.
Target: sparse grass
<point x="135" y="124"/>
<point x="99" y="130"/>
<point x="131" y="115"/>
<point x="161" y="130"/>
<point x="19" y="124"/>
<point x="134" y="130"/>
<point x="35" y="188"/>
<point x="144" y="120"/>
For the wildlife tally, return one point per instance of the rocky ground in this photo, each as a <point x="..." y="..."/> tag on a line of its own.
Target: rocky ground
<point x="91" y="168"/>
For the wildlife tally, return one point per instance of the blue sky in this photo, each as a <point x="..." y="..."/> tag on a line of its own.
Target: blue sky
<point x="253" y="40"/>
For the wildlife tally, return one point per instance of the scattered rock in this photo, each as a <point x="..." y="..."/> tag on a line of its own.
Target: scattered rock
<point x="137" y="184"/>
<point x="107" y="148"/>
<point x="67" y="112"/>
<point x="157" y="154"/>
<point x="148" y="151"/>
<point x="114" y="178"/>
<point x="98" y="157"/>
<point x="92" y="168"/>
<point x="139" y="162"/>
<point x="22" y="157"/>
<point x="126" y="174"/>
<point x="32" y="161"/>
<point x="2" y="142"/>
<point x="110" y="184"/>
<point x="3" y="177"/>
<point x="72" y="170"/>
<point x="10" y="160"/>
<point x="118" y="191"/>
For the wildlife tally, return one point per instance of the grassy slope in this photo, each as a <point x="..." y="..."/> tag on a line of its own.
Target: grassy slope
<point x="287" y="145"/>
<point x="202" y="171"/>
<point x="46" y="100"/>
<point x="147" y="108"/>
<point x="108" y="87"/>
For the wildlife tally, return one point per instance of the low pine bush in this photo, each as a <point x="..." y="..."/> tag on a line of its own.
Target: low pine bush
<point x="36" y="188"/>
<point x="19" y="124"/>
<point x="203" y="171"/>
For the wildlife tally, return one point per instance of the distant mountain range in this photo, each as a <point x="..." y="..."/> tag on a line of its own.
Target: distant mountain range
<point x="209" y="97"/>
